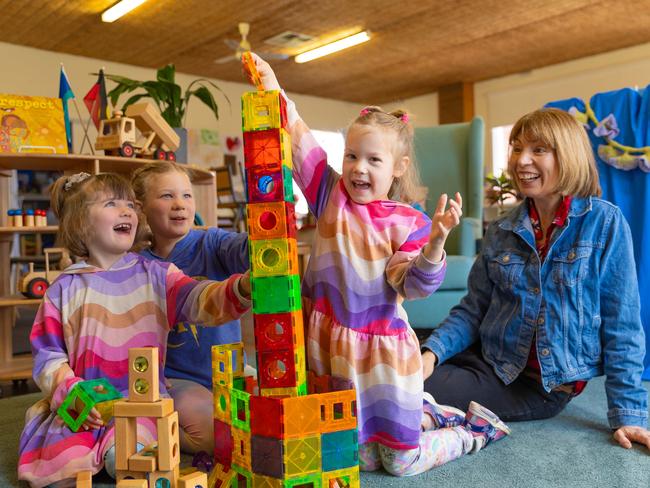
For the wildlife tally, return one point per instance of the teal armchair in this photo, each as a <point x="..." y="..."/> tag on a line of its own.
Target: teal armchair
<point x="450" y="159"/>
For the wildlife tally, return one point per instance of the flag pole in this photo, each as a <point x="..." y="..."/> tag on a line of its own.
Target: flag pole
<point x="85" y="129"/>
<point x="90" y="119"/>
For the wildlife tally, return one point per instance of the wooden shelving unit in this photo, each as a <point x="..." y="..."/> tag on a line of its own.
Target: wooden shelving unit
<point x="18" y="366"/>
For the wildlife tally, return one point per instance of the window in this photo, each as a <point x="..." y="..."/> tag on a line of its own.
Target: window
<point x="333" y="143"/>
<point x="500" y="148"/>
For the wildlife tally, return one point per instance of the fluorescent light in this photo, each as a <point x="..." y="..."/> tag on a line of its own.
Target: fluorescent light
<point x="333" y="47"/>
<point x="120" y="8"/>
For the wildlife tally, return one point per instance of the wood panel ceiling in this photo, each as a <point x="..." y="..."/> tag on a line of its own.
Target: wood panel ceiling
<point x="416" y="46"/>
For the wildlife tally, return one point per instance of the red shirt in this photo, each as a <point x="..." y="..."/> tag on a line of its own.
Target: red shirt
<point x="542" y="243"/>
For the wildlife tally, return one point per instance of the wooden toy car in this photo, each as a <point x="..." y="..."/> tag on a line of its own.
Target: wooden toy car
<point x="34" y="283"/>
<point x="156" y="140"/>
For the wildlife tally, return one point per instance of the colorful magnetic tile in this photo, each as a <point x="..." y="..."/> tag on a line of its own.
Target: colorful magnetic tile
<point x="243" y="477"/>
<point x="274" y="294"/>
<point x="221" y="476"/>
<point x="263" y="110"/>
<point x="271" y="220"/>
<point x="89" y="392"/>
<point x="277" y="369"/>
<point x="340" y="449"/>
<point x="268" y="149"/>
<point x="221" y="403"/>
<point x="300" y="390"/>
<point x="340" y="412"/>
<point x="260" y="481"/>
<point x="241" y="452"/>
<point x="269" y="185"/>
<point x="310" y="481"/>
<point x="301" y="416"/>
<point x="223" y="443"/>
<point x="302" y="456"/>
<point x="240" y="411"/>
<point x="275" y="331"/>
<point x="342" y="478"/>
<point x="273" y="257"/>
<point x="266" y="417"/>
<point x="267" y="456"/>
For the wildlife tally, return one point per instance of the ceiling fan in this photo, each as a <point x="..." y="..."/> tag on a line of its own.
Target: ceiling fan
<point x="239" y="47"/>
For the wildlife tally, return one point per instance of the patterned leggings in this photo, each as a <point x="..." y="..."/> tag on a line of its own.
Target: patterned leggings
<point x="437" y="447"/>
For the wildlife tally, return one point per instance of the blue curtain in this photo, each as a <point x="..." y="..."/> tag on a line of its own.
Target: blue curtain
<point x="618" y="124"/>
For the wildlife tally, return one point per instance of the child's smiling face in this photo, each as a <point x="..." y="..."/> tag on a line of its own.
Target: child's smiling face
<point x="112" y="227"/>
<point x="369" y="164"/>
<point x="169" y="205"/>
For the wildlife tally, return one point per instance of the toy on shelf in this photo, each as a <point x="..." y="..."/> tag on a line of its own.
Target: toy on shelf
<point x="81" y="399"/>
<point x="117" y="136"/>
<point x="155" y="465"/>
<point x="26" y="218"/>
<point x="33" y="284"/>
<point x="295" y="432"/>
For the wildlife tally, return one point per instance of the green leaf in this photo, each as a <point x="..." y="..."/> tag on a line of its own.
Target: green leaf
<point x="167" y="73"/>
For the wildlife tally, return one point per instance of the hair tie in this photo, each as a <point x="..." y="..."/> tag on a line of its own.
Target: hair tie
<point x="364" y="111"/>
<point x="405" y="118"/>
<point x="74" y="180"/>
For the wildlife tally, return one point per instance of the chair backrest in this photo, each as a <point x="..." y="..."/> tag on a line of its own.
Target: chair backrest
<point x="225" y="191"/>
<point x="450" y="159"/>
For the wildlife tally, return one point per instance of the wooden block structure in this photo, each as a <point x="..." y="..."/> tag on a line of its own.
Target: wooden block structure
<point x="156" y="465"/>
<point x="283" y="437"/>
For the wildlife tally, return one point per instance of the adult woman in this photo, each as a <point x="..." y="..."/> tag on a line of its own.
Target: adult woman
<point x="552" y="299"/>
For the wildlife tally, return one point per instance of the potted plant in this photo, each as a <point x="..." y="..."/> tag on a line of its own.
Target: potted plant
<point x="168" y="96"/>
<point x="499" y="189"/>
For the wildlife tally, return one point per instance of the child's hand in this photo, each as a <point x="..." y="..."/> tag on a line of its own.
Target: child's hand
<point x="245" y="284"/>
<point x="94" y="419"/>
<point x="443" y="220"/>
<point x="267" y="75"/>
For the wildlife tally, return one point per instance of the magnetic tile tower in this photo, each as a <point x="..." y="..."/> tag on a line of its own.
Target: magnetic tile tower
<point x="282" y="437"/>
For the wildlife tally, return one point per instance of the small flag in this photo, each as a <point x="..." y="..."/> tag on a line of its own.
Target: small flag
<point x="65" y="94"/>
<point x="96" y="100"/>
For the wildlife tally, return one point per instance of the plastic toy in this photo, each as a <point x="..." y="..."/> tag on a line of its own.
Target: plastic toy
<point x="97" y="393"/>
<point x="117" y="136"/>
<point x="283" y="437"/>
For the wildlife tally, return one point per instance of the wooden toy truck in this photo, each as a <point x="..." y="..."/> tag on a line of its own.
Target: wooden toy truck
<point x="118" y="136"/>
<point x="34" y="283"/>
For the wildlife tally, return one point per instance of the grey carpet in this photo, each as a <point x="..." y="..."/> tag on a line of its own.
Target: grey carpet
<point x="575" y="450"/>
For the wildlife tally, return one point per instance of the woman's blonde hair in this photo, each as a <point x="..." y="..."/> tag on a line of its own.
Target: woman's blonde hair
<point x="142" y="176"/>
<point x="406" y="188"/>
<point x="577" y="172"/>
<point x="71" y="198"/>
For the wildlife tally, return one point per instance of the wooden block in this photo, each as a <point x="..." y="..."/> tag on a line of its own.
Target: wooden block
<point x="84" y="479"/>
<point x="197" y="479"/>
<point x="126" y="441"/>
<point x="120" y="474"/>
<point x="132" y="484"/>
<point x="143" y="462"/>
<point x="161" y="408"/>
<point x="168" y="442"/>
<point x="144" y="378"/>
<point x="171" y="476"/>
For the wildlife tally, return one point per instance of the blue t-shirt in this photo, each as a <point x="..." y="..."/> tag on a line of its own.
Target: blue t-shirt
<point x="214" y="254"/>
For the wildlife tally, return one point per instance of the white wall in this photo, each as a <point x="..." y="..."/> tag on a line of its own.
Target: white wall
<point x="501" y="101"/>
<point x="35" y="72"/>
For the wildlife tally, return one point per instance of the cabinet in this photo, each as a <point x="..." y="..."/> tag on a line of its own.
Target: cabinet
<point x="16" y="366"/>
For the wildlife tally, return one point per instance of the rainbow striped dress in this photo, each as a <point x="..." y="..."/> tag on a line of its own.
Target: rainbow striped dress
<point x="83" y="330"/>
<point x="365" y="260"/>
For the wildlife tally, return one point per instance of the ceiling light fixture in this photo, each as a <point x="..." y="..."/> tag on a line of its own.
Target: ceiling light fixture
<point x="333" y="47"/>
<point x="121" y="8"/>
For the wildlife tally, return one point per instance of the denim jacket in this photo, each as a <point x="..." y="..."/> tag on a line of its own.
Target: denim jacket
<point x="582" y="301"/>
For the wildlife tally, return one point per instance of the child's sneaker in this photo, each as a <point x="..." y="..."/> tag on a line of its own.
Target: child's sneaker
<point x="441" y="415"/>
<point x="484" y="425"/>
